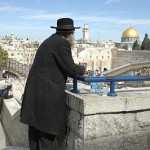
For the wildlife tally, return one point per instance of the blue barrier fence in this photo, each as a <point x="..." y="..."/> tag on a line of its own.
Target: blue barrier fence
<point x="111" y="79"/>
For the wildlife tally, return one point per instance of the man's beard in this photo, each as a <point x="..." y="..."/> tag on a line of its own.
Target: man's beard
<point x="71" y="40"/>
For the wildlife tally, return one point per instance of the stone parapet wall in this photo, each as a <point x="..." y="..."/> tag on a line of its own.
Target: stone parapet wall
<point x="110" y="131"/>
<point x="109" y="123"/>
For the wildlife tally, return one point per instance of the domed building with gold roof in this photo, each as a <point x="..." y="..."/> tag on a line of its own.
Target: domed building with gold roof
<point x="129" y="36"/>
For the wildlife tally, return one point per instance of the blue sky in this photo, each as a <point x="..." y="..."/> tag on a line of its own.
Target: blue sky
<point x="107" y="19"/>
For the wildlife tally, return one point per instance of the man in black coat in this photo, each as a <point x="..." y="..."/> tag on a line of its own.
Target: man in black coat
<point x="43" y="105"/>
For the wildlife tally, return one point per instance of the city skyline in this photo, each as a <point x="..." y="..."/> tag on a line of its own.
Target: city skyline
<point x="107" y="19"/>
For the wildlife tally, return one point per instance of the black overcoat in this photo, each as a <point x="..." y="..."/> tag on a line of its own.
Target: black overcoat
<point x="43" y="105"/>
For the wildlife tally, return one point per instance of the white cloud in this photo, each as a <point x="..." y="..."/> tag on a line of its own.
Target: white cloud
<point x="93" y="19"/>
<point x="135" y="21"/>
<point x="46" y="16"/>
<point x="112" y="20"/>
<point x="112" y="1"/>
<point x="97" y="18"/>
<point x="8" y="8"/>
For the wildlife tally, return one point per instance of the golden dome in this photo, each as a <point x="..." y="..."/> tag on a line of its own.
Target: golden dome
<point x="130" y="33"/>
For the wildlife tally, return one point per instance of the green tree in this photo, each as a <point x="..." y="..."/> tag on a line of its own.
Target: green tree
<point x="3" y="58"/>
<point x="148" y="45"/>
<point x="125" y="47"/>
<point x="144" y="45"/>
<point x="135" y="46"/>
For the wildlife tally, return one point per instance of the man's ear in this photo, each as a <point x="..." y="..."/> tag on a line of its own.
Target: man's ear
<point x="67" y="34"/>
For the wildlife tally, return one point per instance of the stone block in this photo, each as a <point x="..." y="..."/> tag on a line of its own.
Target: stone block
<point x="91" y="125"/>
<point x="104" y="143"/>
<point x="143" y="119"/>
<point x="104" y="105"/>
<point x="130" y="141"/>
<point x="74" y="102"/>
<point x="78" y="143"/>
<point x="76" y="122"/>
<point x="70" y="139"/>
<point x="136" y="141"/>
<point x="138" y="102"/>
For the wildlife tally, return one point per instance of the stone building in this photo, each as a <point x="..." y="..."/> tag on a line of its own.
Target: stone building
<point x="96" y="54"/>
<point x="21" y="50"/>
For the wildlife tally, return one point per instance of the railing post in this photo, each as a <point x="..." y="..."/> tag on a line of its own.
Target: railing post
<point x="112" y="89"/>
<point x="75" y="86"/>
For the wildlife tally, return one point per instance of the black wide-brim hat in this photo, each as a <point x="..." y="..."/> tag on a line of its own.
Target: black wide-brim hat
<point x="65" y="24"/>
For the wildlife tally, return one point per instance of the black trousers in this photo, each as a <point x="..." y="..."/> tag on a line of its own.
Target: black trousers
<point x="39" y="140"/>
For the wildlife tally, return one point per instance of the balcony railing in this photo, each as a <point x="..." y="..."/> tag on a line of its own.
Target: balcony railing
<point x="111" y="79"/>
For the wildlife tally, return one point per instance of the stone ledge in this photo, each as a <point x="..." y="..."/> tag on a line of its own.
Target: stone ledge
<point x="88" y="104"/>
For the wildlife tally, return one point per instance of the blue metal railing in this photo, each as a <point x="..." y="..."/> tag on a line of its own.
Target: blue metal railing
<point x="111" y="79"/>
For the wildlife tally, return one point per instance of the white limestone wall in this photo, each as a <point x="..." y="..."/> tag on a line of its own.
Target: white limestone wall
<point x="122" y="57"/>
